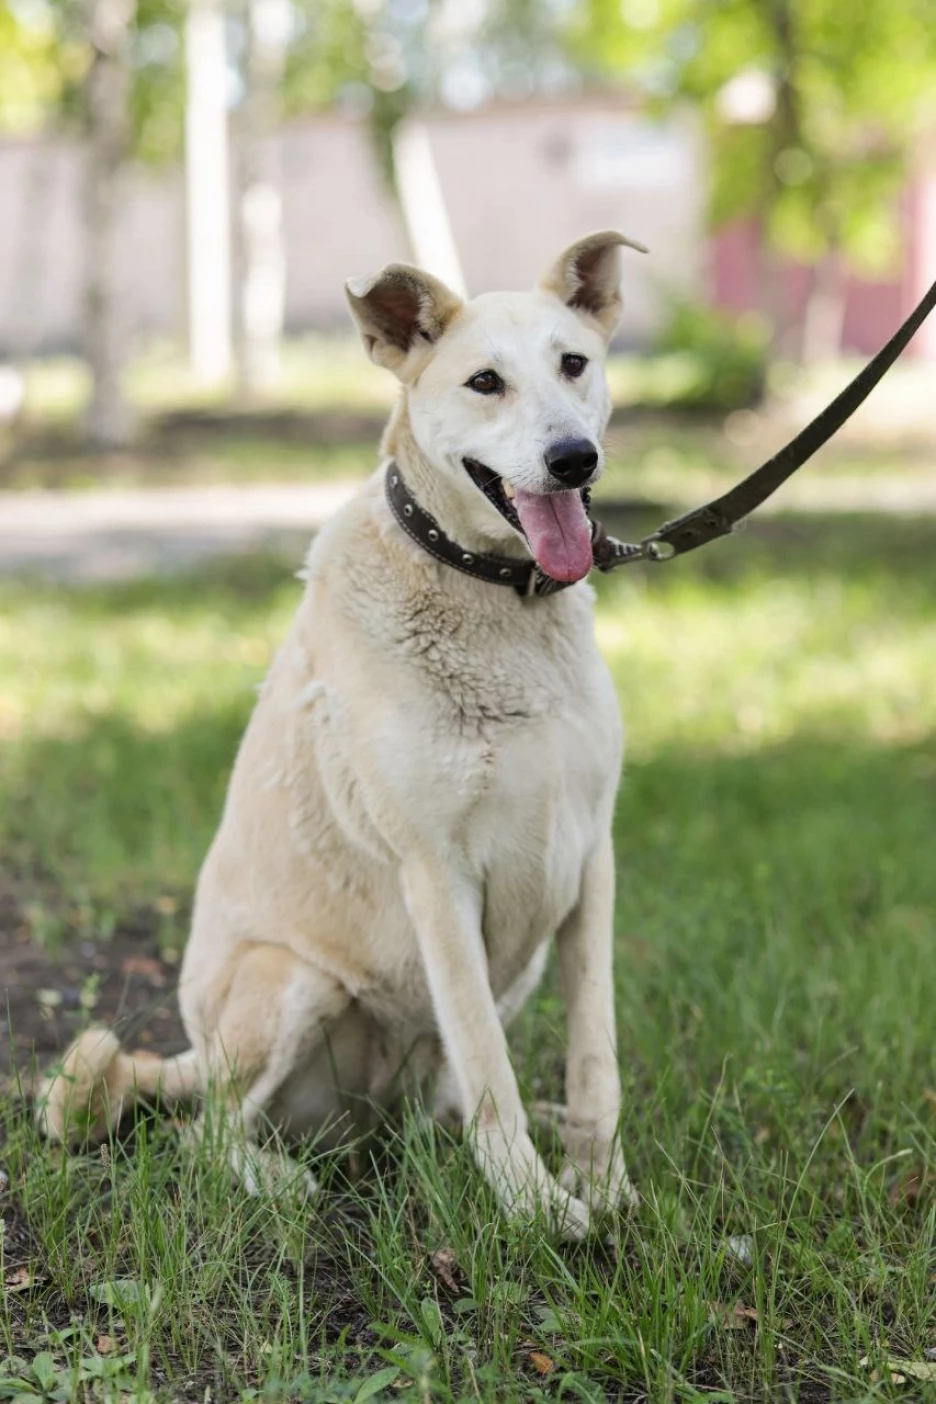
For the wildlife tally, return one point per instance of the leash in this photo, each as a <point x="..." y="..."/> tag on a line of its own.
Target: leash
<point x="674" y="538"/>
<point x="719" y="517"/>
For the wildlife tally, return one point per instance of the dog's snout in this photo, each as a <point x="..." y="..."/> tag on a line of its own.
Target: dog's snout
<point x="571" y="461"/>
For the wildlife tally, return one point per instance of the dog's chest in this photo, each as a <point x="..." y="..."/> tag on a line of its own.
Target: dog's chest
<point x="513" y="752"/>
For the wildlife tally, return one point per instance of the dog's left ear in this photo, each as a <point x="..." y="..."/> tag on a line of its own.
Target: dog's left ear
<point x="587" y="277"/>
<point x="400" y="313"/>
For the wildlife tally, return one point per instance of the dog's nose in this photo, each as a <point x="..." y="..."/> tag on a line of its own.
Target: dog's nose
<point x="571" y="461"/>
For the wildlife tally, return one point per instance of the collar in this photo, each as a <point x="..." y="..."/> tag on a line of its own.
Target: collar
<point x="525" y="577"/>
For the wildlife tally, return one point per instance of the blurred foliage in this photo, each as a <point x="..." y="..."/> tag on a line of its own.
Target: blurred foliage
<point x="45" y="55"/>
<point x="381" y="58"/>
<point x="372" y="59"/>
<point x="352" y="57"/>
<point x="709" y="361"/>
<point x="811" y="106"/>
<point x="35" y="64"/>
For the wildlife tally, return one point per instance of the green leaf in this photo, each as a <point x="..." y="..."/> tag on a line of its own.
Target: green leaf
<point x="376" y="1383"/>
<point x="432" y="1319"/>
<point x="122" y="1292"/>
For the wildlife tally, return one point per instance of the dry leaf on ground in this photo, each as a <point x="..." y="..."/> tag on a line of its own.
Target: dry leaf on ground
<point x="735" y="1317"/>
<point x="445" y="1267"/>
<point x="899" y="1370"/>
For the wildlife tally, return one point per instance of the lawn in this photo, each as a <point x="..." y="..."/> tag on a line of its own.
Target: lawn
<point x="775" y="985"/>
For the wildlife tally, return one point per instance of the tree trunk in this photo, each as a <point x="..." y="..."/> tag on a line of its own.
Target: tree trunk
<point x="110" y="418"/>
<point x="261" y="247"/>
<point x="207" y="194"/>
<point x="784" y="131"/>
<point x="824" y="319"/>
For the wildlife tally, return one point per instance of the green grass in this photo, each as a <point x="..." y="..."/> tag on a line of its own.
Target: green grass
<point x="775" y="986"/>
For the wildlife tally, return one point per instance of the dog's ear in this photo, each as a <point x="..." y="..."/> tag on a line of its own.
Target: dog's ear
<point x="587" y="277"/>
<point x="400" y="312"/>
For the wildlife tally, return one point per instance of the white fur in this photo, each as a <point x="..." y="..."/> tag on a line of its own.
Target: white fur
<point x="424" y="793"/>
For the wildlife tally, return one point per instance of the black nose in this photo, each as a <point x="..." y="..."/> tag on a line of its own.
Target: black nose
<point x="571" y="461"/>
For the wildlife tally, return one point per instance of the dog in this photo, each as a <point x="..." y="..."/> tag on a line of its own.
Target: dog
<point x="423" y="797"/>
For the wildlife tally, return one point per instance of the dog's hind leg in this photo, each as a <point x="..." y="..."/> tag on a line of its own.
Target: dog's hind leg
<point x="275" y="1015"/>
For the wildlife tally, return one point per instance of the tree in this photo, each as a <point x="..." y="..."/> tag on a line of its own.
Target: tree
<point x="110" y="71"/>
<point x="207" y="193"/>
<point x="110" y="418"/>
<point x="261" y="251"/>
<point x="811" y="110"/>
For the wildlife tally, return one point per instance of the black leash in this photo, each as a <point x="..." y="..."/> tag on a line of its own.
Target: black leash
<point x="718" y="518"/>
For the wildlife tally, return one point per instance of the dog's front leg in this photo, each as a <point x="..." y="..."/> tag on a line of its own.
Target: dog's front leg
<point x="445" y="907"/>
<point x="589" y="1122"/>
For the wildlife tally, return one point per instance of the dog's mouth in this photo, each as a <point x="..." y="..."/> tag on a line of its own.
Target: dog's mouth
<point x="555" y="525"/>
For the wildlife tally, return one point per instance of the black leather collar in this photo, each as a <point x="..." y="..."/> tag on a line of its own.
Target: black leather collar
<point x="523" y="576"/>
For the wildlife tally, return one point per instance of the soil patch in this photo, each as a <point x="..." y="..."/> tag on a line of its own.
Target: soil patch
<point x="124" y="981"/>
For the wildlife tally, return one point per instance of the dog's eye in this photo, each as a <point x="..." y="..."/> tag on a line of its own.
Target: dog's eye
<point x="573" y="365"/>
<point x="486" y="382"/>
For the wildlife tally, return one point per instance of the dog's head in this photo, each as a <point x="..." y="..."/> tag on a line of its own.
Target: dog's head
<point x="506" y="393"/>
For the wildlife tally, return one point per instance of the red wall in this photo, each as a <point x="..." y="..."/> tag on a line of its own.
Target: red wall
<point x="874" y="308"/>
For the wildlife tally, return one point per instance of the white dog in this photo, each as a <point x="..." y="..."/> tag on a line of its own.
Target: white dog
<point x="423" y="796"/>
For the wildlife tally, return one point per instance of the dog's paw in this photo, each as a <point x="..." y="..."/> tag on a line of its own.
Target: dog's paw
<point x="84" y="1097"/>
<point x="594" y="1166"/>
<point x="272" y="1175"/>
<point x="263" y="1172"/>
<point x="524" y="1186"/>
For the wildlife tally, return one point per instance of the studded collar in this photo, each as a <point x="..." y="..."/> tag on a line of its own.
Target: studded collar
<point x="525" y="577"/>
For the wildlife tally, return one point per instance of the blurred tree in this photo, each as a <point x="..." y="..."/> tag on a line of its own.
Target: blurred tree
<point x="365" y="57"/>
<point x="109" y="70"/>
<point x="207" y="192"/>
<point x="110" y="418"/>
<point x="261" y="251"/>
<point x="382" y="59"/>
<point x="33" y="66"/>
<point x="811" y="108"/>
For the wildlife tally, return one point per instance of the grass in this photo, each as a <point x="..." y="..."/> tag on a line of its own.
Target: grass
<point x="775" y="988"/>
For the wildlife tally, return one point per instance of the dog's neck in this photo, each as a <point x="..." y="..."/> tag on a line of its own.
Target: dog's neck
<point x="460" y="509"/>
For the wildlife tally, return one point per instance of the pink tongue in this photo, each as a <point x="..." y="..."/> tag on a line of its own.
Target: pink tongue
<point x="558" y="532"/>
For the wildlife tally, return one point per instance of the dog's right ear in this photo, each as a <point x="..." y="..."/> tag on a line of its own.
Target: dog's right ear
<point x="400" y="313"/>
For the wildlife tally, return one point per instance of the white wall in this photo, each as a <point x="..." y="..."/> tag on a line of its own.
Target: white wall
<point x="520" y="183"/>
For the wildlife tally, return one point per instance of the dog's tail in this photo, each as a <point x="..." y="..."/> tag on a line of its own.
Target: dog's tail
<point x="97" y="1082"/>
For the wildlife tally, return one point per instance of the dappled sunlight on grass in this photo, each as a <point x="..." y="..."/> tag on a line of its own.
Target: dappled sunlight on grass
<point x="148" y="656"/>
<point x="736" y="669"/>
